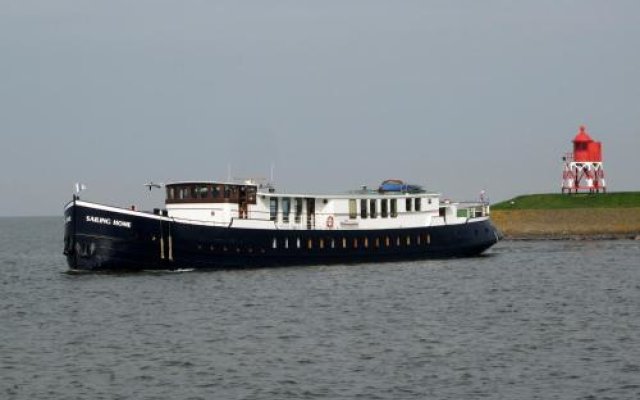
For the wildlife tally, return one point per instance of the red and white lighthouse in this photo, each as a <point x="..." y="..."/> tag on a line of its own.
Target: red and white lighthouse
<point x="582" y="169"/>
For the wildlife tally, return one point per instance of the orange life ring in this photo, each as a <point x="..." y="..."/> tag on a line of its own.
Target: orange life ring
<point x="329" y="221"/>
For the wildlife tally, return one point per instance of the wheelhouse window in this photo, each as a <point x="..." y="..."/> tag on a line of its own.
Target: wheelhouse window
<point x="384" y="208"/>
<point x="394" y="208"/>
<point x="202" y="192"/>
<point x="251" y="194"/>
<point x="418" y="204"/>
<point x="273" y="209"/>
<point x="353" y="209"/>
<point x="363" y="208"/>
<point x="215" y="191"/>
<point x="408" y="204"/>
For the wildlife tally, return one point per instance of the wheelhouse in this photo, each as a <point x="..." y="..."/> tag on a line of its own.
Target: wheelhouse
<point x="210" y="192"/>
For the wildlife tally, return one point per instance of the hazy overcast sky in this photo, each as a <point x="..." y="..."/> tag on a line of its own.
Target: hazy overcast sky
<point x="457" y="95"/>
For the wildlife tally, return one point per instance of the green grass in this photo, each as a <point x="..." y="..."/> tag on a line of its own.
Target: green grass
<point x="563" y="201"/>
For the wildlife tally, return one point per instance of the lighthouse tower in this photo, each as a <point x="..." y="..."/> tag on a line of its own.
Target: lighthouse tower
<point x="582" y="169"/>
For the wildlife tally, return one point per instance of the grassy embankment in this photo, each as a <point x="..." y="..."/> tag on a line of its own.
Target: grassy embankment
<point x="568" y="216"/>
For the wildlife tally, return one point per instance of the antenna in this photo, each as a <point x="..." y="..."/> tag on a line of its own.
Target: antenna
<point x="153" y="185"/>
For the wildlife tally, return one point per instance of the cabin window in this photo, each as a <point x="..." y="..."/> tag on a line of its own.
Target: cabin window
<point x="275" y="243"/>
<point x="384" y="208"/>
<point x="429" y="200"/>
<point x="170" y="193"/>
<point x="408" y="240"/>
<point x="286" y="243"/>
<point x="182" y="193"/>
<point x="344" y="243"/>
<point x="286" y="209"/>
<point x="377" y="242"/>
<point x="227" y="191"/>
<point x="353" y="211"/>
<point x="387" y="241"/>
<point x="310" y="244"/>
<point x="366" y="243"/>
<point x="333" y="243"/>
<point x="408" y="203"/>
<point x="355" y="243"/>
<point x="321" y="244"/>
<point x="418" y="206"/>
<point x="273" y="209"/>
<point x="394" y="208"/>
<point x="372" y="208"/>
<point x="363" y="208"/>
<point x="298" y="242"/>
<point x="215" y="191"/>
<point x="298" y="213"/>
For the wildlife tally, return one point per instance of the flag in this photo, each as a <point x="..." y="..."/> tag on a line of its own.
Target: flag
<point x="80" y="187"/>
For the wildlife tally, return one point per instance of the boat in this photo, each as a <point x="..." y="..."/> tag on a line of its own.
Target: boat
<point x="227" y="224"/>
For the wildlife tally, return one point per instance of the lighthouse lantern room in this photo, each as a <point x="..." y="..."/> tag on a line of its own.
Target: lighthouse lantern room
<point x="582" y="169"/>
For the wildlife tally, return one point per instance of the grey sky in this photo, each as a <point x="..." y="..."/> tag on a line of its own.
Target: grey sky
<point x="457" y="95"/>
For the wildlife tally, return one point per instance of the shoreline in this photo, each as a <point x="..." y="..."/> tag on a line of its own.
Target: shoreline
<point x="524" y="238"/>
<point x="569" y="224"/>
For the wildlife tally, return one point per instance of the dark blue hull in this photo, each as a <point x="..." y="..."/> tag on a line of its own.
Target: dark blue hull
<point x="105" y="238"/>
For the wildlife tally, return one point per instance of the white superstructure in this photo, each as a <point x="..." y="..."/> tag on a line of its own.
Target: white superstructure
<point x="248" y="205"/>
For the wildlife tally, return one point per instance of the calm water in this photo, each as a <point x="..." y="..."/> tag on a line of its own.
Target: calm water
<point x="531" y="320"/>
